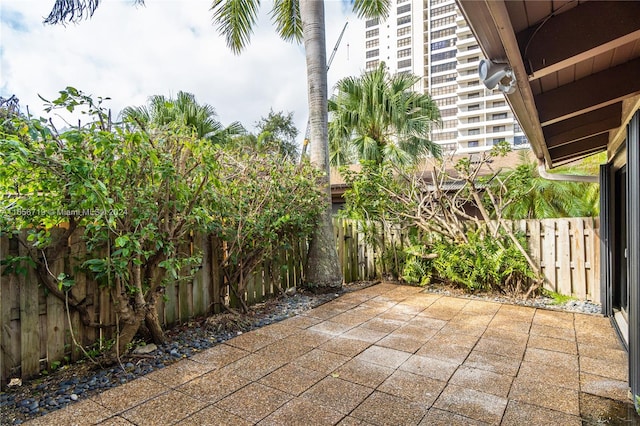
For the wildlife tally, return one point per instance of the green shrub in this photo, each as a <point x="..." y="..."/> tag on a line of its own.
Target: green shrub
<point x="417" y="267"/>
<point x="482" y="263"/>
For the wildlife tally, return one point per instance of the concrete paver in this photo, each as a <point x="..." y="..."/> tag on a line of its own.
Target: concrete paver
<point x="386" y="354"/>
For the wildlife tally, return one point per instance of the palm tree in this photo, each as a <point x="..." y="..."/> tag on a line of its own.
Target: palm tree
<point x="184" y="109"/>
<point x="295" y="20"/>
<point x="382" y="119"/>
<point x="539" y="198"/>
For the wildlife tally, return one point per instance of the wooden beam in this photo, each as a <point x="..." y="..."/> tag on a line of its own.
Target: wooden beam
<point x="490" y="23"/>
<point x="580" y="127"/>
<point x="580" y="33"/>
<point x="590" y="93"/>
<point x="583" y="146"/>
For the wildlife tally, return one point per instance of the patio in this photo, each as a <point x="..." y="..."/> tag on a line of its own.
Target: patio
<point x="386" y="355"/>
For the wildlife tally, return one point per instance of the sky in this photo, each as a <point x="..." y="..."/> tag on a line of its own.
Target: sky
<point x="129" y="53"/>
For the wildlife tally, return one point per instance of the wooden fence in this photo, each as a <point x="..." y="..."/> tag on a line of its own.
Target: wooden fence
<point x="37" y="331"/>
<point x="567" y="250"/>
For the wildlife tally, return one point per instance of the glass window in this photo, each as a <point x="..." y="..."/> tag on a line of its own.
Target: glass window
<point x="372" y="22"/>
<point x="404" y="9"/>
<point x="404" y="42"/>
<point x="404" y="20"/>
<point x="372" y="43"/>
<point x="404" y="63"/>
<point x="373" y="33"/>
<point x="372" y="53"/>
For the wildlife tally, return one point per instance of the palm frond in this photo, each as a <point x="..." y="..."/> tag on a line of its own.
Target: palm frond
<point x="285" y="15"/>
<point x="372" y="8"/>
<point x="70" y="11"/>
<point x="235" y="20"/>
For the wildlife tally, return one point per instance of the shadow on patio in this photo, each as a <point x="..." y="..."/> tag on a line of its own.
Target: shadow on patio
<point x="387" y="355"/>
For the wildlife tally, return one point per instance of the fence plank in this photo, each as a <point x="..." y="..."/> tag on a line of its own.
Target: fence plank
<point x="29" y="320"/>
<point x="549" y="254"/>
<point x="578" y="253"/>
<point x="5" y="315"/>
<point x="564" y="257"/>
<point x="55" y="319"/>
<point x="79" y="291"/>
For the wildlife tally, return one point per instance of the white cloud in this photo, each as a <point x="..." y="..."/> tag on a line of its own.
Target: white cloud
<point x="129" y="53"/>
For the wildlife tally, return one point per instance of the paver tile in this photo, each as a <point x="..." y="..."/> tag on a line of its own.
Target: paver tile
<point x="310" y="338"/>
<point x="471" y="403"/>
<point x="331" y="328"/>
<point x="382" y="325"/>
<point x="594" y="351"/>
<point x="427" y="322"/>
<point x="429" y="367"/>
<point x="363" y="373"/>
<point x="505" y="347"/>
<point x="445" y="349"/>
<point x="214" y="416"/>
<point x="253" y="402"/>
<point x="604" y="387"/>
<point x="78" y="414"/>
<point x="336" y="393"/>
<point x="179" y="373"/>
<point x="551" y="358"/>
<point x="413" y="387"/>
<point x="251" y="341"/>
<point x="545" y="395"/>
<point x="352" y="421"/>
<point x="286" y="350"/>
<point x="604" y="368"/>
<point x="385" y="357"/>
<point x="219" y="356"/>
<point x="130" y="394"/>
<point x="292" y="379"/>
<point x="556" y="332"/>
<point x="302" y="412"/>
<point x="213" y="386"/>
<point x="552" y="344"/>
<point x="437" y="417"/>
<point x="320" y="360"/>
<point x="255" y="366"/>
<point x="520" y="413"/>
<point x="405" y="344"/>
<point x="384" y="409"/>
<point x="557" y="375"/>
<point x="481" y="307"/>
<point x="344" y="346"/>
<point x="553" y="318"/>
<point x="492" y="362"/>
<point x="301" y="321"/>
<point x="165" y="409"/>
<point x="414" y="332"/>
<point x="116" y="421"/>
<point x="365" y="334"/>
<point x="482" y="380"/>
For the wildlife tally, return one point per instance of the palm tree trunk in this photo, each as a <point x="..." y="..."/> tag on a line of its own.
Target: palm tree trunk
<point x="322" y="268"/>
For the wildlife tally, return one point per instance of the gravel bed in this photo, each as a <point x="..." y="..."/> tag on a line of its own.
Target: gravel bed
<point x="81" y="380"/>
<point x="543" y="302"/>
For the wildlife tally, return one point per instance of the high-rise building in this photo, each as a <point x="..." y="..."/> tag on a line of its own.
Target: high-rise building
<point x="431" y="39"/>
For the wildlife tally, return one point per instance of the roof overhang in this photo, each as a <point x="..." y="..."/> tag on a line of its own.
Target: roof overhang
<point x="577" y="68"/>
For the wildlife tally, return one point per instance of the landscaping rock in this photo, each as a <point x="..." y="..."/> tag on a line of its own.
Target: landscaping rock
<point x="146" y="349"/>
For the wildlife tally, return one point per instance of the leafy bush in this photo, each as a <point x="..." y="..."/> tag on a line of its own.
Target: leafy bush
<point x="418" y="268"/>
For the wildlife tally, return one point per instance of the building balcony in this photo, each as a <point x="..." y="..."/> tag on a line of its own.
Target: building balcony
<point x="463" y="90"/>
<point x="466" y="53"/>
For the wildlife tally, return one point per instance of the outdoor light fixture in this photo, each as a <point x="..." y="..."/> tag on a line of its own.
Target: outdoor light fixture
<point x="495" y="75"/>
